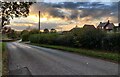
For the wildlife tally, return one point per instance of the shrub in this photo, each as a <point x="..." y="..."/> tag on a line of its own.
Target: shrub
<point x="25" y="37"/>
<point x="46" y="30"/>
<point x="24" y="32"/>
<point x="112" y="42"/>
<point x="43" y="38"/>
<point x="34" y="31"/>
<point x="66" y="40"/>
<point x="33" y="38"/>
<point x="85" y="38"/>
<point x="90" y="38"/>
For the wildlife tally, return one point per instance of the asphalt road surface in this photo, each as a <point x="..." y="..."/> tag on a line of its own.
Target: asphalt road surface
<point x="45" y="61"/>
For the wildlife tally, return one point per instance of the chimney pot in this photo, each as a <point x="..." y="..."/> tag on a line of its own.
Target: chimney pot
<point x="108" y="21"/>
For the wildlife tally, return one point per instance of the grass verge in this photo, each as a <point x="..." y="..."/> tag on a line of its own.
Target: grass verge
<point x="5" y="60"/>
<point x="114" y="57"/>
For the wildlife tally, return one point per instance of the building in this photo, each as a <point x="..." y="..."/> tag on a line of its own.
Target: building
<point x="89" y="26"/>
<point x="65" y="32"/>
<point x="106" y="26"/>
<point x="75" y="29"/>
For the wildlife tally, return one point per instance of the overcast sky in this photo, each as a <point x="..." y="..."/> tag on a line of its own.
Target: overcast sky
<point x="66" y="15"/>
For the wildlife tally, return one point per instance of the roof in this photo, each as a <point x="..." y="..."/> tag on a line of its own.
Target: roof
<point x="102" y="24"/>
<point x="106" y="25"/>
<point x="88" y="26"/>
<point x="75" y="29"/>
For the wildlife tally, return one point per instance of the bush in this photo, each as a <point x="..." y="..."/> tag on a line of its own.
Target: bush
<point x="90" y="38"/>
<point x="25" y="37"/>
<point x="34" y="31"/>
<point x="85" y="38"/>
<point x="24" y="32"/>
<point x="112" y="42"/>
<point x="43" y="38"/>
<point x="33" y="38"/>
<point x="66" y="40"/>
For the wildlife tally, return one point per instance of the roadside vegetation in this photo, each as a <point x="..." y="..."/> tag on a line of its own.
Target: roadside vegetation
<point x="10" y="34"/>
<point x="25" y="34"/>
<point x="84" y="38"/>
<point x="114" y="57"/>
<point x="90" y="42"/>
<point x="5" y="60"/>
<point x="0" y="59"/>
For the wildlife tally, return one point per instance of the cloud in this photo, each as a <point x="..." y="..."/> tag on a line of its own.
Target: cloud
<point x="94" y="9"/>
<point x="22" y="26"/>
<point x="74" y="12"/>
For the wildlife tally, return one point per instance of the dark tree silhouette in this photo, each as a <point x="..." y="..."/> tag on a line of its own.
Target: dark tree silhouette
<point x="53" y="30"/>
<point x="13" y="9"/>
<point x="46" y="30"/>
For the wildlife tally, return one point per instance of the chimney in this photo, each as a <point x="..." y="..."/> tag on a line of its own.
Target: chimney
<point x="108" y="21"/>
<point x="76" y="26"/>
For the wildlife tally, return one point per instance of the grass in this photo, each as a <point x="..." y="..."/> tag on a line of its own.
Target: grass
<point x="5" y="60"/>
<point x="0" y="59"/>
<point x="114" y="57"/>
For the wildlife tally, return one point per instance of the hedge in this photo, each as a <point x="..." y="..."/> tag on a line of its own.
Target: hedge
<point x="85" y="38"/>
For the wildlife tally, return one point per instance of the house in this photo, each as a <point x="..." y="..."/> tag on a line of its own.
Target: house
<point x="75" y="29"/>
<point x="89" y="26"/>
<point x="106" y="26"/>
<point x="65" y="32"/>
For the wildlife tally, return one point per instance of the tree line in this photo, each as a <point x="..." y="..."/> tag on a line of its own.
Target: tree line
<point x="83" y="38"/>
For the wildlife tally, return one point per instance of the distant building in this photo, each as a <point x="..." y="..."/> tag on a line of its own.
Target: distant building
<point x="86" y="26"/>
<point x="65" y="32"/>
<point x="106" y="26"/>
<point x="75" y="29"/>
<point x="89" y="26"/>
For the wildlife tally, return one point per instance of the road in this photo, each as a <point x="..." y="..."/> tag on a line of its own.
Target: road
<point x="45" y="61"/>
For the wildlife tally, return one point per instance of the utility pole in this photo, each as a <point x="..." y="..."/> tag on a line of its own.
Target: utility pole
<point x="39" y="22"/>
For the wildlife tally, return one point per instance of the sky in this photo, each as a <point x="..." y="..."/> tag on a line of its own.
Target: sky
<point x="66" y="15"/>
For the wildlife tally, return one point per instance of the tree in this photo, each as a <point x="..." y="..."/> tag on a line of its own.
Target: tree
<point x="34" y="31"/>
<point x="13" y="9"/>
<point x="53" y="30"/>
<point x="12" y="34"/>
<point x="24" y="32"/>
<point x="6" y="30"/>
<point x="25" y="35"/>
<point x="46" y="30"/>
